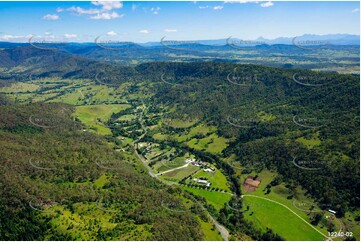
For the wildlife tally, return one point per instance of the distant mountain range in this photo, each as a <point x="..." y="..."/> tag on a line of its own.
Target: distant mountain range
<point x="328" y="39"/>
<point x="334" y="39"/>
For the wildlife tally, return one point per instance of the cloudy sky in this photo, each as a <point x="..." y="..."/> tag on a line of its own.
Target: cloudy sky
<point x="150" y="21"/>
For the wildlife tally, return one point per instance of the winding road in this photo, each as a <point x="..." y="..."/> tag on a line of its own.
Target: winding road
<point x="222" y="230"/>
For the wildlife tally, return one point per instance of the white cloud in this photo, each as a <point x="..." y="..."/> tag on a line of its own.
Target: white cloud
<point x="82" y="11"/>
<point x="100" y="13"/>
<point x="47" y="33"/>
<point x="112" y="15"/>
<point x="267" y="4"/>
<point x="11" y="37"/>
<point x="108" y="5"/>
<point x="155" y="10"/>
<point x="59" y="10"/>
<point x="203" y="7"/>
<point x="144" y="31"/>
<point x="264" y="4"/>
<point x="355" y="10"/>
<point x="134" y="7"/>
<point x="15" y="38"/>
<point x="51" y="17"/>
<point x="111" y="33"/>
<point x="241" y="1"/>
<point x="170" y="30"/>
<point x="217" y="7"/>
<point x="70" y="36"/>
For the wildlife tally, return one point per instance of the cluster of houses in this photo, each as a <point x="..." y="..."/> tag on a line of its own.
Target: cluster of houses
<point x="194" y="162"/>
<point x="200" y="164"/>
<point x="202" y="181"/>
<point x="190" y="160"/>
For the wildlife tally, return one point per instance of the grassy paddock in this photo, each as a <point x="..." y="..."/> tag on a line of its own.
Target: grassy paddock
<point x="88" y="115"/>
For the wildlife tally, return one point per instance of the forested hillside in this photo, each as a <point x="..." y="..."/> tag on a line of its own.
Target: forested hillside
<point x="61" y="183"/>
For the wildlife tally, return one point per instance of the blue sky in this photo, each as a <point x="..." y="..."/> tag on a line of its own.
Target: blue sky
<point x="150" y="21"/>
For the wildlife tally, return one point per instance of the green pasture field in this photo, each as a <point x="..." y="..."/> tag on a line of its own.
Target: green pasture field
<point x="212" y="144"/>
<point x="89" y="114"/>
<point x="217" y="179"/>
<point x="217" y="199"/>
